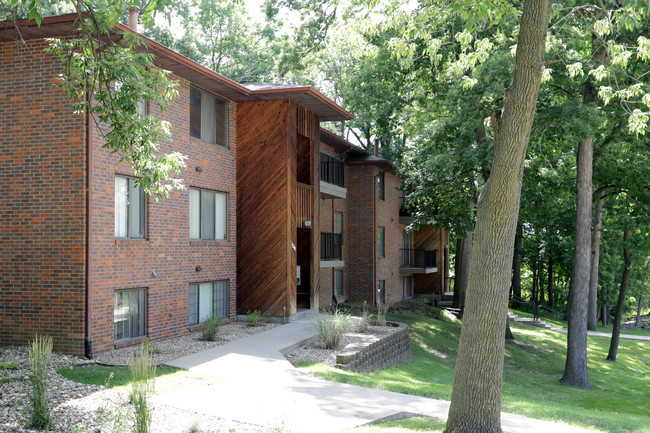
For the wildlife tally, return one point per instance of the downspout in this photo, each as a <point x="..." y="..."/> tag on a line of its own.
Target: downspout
<point x="88" y="344"/>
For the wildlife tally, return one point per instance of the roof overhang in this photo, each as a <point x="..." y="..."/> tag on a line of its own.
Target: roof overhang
<point x="166" y="58"/>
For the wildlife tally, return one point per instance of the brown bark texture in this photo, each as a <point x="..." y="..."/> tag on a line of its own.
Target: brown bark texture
<point x="476" y="395"/>
<point x="627" y="267"/>
<point x="516" y="262"/>
<point x="575" y="370"/>
<point x="592" y="306"/>
<point x="463" y="261"/>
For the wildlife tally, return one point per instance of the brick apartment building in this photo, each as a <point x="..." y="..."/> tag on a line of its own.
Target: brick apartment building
<point x="88" y="258"/>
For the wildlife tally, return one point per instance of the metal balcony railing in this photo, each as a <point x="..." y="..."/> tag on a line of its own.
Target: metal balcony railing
<point x="332" y="170"/>
<point x="418" y="258"/>
<point x="331" y="246"/>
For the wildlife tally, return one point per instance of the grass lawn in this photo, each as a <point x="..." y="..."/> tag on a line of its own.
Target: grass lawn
<point x="168" y="379"/>
<point x="619" y="400"/>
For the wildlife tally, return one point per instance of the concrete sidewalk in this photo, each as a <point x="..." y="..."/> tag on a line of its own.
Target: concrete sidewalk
<point x="259" y="386"/>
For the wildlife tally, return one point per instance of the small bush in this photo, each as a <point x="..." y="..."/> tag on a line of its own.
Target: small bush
<point x="143" y="372"/>
<point x="209" y="328"/>
<point x="330" y="330"/>
<point x="151" y="347"/>
<point x="253" y="317"/>
<point x="40" y="356"/>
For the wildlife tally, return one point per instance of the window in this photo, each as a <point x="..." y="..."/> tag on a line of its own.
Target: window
<point x="381" y="233"/>
<point x="130" y="209"/>
<point x="207" y="299"/>
<point x="407" y="287"/>
<point x="129" y="314"/>
<point x="208" y="214"/>
<point x="381" y="292"/>
<point x="208" y="118"/>
<point x="338" y="282"/>
<point x="380" y="187"/>
<point x="407" y="240"/>
<point x="338" y="222"/>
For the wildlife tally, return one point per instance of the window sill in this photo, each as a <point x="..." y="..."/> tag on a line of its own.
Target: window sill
<point x="209" y="241"/>
<point x="129" y="342"/>
<point x="129" y="240"/>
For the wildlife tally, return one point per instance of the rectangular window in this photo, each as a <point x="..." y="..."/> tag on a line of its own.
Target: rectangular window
<point x="129" y="314"/>
<point x="338" y="222"/>
<point x="381" y="233"/>
<point x="381" y="292"/>
<point x="338" y="282"/>
<point x="407" y="287"/>
<point x="380" y="187"/>
<point x="208" y="117"/>
<point x="130" y="209"/>
<point x="208" y="214"/>
<point x="207" y="299"/>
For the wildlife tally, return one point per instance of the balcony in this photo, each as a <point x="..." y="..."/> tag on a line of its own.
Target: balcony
<point x="332" y="177"/>
<point x="418" y="261"/>
<point x="331" y="250"/>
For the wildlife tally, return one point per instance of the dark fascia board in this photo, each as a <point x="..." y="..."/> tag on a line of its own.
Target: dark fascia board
<point x="356" y="154"/>
<point x="166" y="58"/>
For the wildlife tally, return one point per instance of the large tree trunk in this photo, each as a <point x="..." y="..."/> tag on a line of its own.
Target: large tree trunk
<point x="516" y="262"/>
<point x="618" y="316"/>
<point x="476" y="395"/>
<point x="463" y="261"/>
<point x="592" y="307"/>
<point x="549" y="285"/>
<point x="575" y="370"/>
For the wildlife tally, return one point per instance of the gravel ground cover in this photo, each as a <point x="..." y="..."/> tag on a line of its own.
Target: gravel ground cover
<point x="79" y="408"/>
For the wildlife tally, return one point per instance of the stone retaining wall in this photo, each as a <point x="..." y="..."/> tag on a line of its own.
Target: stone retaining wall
<point x="385" y="351"/>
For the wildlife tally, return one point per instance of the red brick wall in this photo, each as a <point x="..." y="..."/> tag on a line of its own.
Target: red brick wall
<point x="167" y="250"/>
<point x="387" y="216"/>
<point x="360" y="229"/>
<point x="43" y="205"/>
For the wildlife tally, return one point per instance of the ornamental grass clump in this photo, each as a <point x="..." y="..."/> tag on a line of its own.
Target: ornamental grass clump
<point x="143" y="372"/>
<point x="364" y="322"/>
<point x="330" y="329"/>
<point x="40" y="356"/>
<point x="209" y="328"/>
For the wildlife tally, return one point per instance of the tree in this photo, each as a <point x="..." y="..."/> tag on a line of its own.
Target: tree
<point x="475" y="404"/>
<point x="107" y="81"/>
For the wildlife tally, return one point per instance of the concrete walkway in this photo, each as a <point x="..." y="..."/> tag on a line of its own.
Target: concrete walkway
<point x="257" y="385"/>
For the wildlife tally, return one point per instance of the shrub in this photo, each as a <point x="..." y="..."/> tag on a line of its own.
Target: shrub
<point x="40" y="356"/>
<point x="143" y="372"/>
<point x="330" y="329"/>
<point x="253" y="317"/>
<point x="209" y="328"/>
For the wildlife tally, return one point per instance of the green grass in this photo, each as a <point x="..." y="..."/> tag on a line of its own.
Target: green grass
<point x="633" y="331"/>
<point x="534" y="363"/>
<point x="99" y="374"/>
<point x="415" y="424"/>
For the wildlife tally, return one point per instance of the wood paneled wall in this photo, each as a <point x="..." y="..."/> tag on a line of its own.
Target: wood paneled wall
<point x="271" y="205"/>
<point x="430" y="238"/>
<point x="265" y="203"/>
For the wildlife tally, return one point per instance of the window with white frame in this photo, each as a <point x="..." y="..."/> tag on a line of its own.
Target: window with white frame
<point x="130" y="209"/>
<point x="381" y="242"/>
<point x="381" y="292"/>
<point x="338" y="222"/>
<point x="407" y="287"/>
<point x="208" y="117"/>
<point x="338" y="282"/>
<point x="380" y="187"/>
<point x="129" y="314"/>
<point x="207" y="299"/>
<point x="208" y="215"/>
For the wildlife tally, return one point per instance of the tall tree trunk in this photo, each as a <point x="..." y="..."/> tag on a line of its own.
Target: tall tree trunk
<point x="592" y="307"/>
<point x="640" y="305"/>
<point x="476" y="395"/>
<point x="540" y="288"/>
<point x="618" y="317"/>
<point x="533" y="295"/>
<point x="575" y="370"/>
<point x="463" y="261"/>
<point x="549" y="285"/>
<point x="516" y="262"/>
